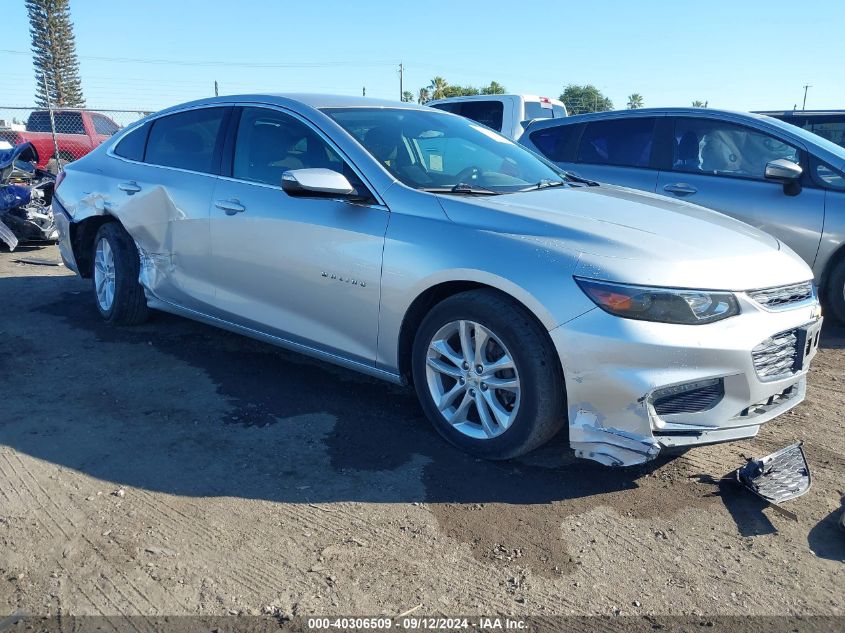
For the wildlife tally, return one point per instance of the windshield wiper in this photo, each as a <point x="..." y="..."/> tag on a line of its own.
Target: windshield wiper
<point x="585" y="181"/>
<point x="545" y="183"/>
<point x="463" y="187"/>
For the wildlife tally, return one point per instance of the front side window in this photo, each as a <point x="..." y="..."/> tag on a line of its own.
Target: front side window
<point x="428" y="150"/>
<point x="833" y="178"/>
<point x="621" y="142"/>
<point x="104" y="125"/>
<point x="715" y="147"/>
<point x="270" y="143"/>
<point x="185" y="140"/>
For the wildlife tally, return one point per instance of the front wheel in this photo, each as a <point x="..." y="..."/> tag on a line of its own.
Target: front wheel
<point x="487" y="375"/>
<point x="118" y="295"/>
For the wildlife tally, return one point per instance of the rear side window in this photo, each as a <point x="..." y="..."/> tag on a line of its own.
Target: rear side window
<point x="185" y="140"/>
<point x="621" y="142"/>
<point x="538" y="110"/>
<point x="454" y="108"/>
<point x="489" y="113"/>
<point x="557" y="143"/>
<point x="132" y="145"/>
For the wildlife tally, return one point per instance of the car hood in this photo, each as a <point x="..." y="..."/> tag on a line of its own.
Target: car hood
<point x="630" y="236"/>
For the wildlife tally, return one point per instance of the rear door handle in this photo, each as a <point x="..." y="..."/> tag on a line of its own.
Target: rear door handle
<point x="680" y="188"/>
<point x="129" y="187"/>
<point x="231" y="207"/>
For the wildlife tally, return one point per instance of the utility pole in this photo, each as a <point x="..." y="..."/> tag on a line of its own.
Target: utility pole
<point x="401" y="80"/>
<point x="804" y="105"/>
<point x="216" y="93"/>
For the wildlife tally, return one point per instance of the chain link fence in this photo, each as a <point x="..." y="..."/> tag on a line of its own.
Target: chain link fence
<point x="62" y="135"/>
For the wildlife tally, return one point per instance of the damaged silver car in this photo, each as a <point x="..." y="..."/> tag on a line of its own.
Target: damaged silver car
<point x="418" y="246"/>
<point x="25" y="196"/>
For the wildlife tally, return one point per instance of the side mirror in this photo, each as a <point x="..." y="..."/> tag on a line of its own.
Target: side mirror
<point x="316" y="182"/>
<point x="783" y="170"/>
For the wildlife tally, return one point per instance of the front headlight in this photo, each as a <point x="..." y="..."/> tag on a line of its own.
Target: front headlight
<point x="664" y="305"/>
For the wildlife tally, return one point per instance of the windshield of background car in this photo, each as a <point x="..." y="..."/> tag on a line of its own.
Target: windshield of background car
<point x="432" y="150"/>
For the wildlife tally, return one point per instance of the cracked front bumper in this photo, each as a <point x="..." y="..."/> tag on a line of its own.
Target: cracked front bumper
<point x="616" y="369"/>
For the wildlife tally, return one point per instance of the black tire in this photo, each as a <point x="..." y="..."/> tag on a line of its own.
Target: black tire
<point x="129" y="306"/>
<point x="542" y="408"/>
<point x="834" y="293"/>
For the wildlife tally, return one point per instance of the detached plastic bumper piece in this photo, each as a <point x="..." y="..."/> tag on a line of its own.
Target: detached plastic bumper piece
<point x="778" y="477"/>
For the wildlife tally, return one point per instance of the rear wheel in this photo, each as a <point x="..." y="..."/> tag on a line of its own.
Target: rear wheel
<point x="118" y="295"/>
<point x="487" y="375"/>
<point x="835" y="291"/>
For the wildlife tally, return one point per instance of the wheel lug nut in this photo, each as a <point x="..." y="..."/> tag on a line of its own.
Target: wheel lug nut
<point x="483" y="386"/>
<point x="466" y="365"/>
<point x="462" y="380"/>
<point x="479" y="369"/>
<point x="472" y="392"/>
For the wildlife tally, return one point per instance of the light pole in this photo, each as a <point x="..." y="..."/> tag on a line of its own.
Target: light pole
<point x="804" y="105"/>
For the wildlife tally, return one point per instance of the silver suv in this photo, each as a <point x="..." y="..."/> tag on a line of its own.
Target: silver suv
<point x="415" y="245"/>
<point x="777" y="177"/>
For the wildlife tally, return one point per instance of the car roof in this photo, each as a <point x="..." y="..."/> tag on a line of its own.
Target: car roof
<point x="311" y="100"/>
<point x="526" y="97"/>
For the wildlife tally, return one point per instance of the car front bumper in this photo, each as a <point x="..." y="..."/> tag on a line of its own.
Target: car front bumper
<point x="619" y="372"/>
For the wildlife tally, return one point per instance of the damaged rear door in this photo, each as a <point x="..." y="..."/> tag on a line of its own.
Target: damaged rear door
<point x="161" y="192"/>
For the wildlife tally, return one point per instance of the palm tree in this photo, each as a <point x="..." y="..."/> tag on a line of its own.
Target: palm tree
<point x="408" y="96"/>
<point x="423" y="96"/>
<point x="438" y="87"/>
<point x="699" y="104"/>
<point x="635" y="101"/>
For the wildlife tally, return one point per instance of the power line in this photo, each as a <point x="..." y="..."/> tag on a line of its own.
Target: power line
<point x="177" y="62"/>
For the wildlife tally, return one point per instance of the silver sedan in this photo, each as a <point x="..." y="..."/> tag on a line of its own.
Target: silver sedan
<point x="417" y="246"/>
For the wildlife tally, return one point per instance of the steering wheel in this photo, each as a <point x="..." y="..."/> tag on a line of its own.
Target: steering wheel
<point x="468" y="173"/>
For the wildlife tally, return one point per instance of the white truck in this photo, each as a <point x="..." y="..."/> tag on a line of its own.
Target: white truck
<point x="508" y="114"/>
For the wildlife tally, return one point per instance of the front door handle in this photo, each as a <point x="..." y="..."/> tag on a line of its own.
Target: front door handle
<point x="231" y="207"/>
<point x="680" y="188"/>
<point x="129" y="187"/>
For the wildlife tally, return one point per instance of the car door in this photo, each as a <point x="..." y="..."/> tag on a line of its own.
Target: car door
<point x="721" y="164"/>
<point x="305" y="269"/>
<point x="160" y="184"/>
<point x="616" y="151"/>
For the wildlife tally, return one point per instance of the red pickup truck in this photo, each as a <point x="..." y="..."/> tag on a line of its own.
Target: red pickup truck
<point x="77" y="133"/>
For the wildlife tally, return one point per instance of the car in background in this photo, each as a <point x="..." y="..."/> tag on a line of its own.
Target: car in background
<point x="507" y="114"/>
<point x="418" y="246"/>
<point x="77" y="133"/>
<point x="829" y="124"/>
<point x="774" y="176"/>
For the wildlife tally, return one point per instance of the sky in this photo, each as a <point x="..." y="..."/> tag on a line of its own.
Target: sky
<point x="738" y="54"/>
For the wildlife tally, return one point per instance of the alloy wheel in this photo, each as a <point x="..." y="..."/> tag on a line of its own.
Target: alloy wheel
<point x="473" y="379"/>
<point x="104" y="274"/>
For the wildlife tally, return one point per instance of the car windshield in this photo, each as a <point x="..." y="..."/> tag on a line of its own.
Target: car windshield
<point x="434" y="151"/>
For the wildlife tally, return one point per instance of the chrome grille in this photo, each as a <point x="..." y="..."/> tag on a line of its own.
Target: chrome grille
<point x="775" y="357"/>
<point x="783" y="297"/>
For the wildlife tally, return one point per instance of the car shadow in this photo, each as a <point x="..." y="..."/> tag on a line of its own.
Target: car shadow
<point x="183" y="408"/>
<point x="827" y="538"/>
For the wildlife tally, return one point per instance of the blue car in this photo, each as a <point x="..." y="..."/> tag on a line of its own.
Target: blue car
<point x="774" y="176"/>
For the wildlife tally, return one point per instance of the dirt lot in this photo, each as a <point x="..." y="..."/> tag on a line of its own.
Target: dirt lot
<point x="176" y="469"/>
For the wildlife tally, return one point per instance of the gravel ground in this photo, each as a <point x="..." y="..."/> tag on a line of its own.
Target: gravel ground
<point x="173" y="468"/>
